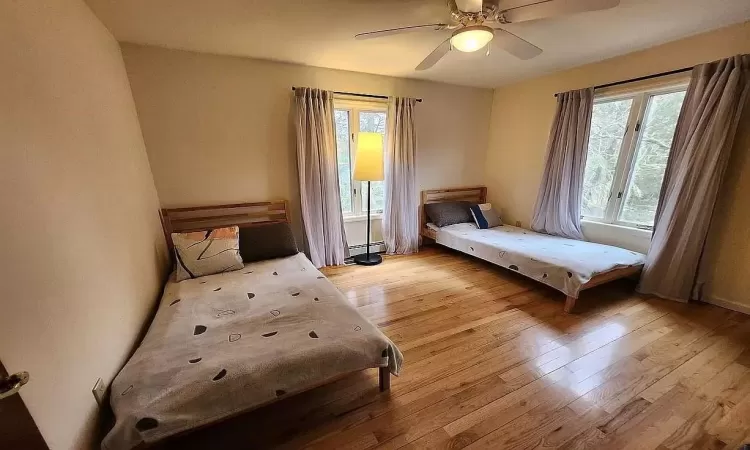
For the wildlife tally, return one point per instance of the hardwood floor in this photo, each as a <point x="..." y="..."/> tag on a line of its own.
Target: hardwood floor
<point x="490" y="361"/>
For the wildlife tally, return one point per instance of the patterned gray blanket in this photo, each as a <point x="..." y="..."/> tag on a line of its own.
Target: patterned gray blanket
<point x="222" y="344"/>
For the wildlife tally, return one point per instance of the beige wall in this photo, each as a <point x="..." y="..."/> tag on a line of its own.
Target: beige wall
<point x="521" y="118"/>
<point x="726" y="266"/>
<point x="82" y="249"/>
<point x="219" y="129"/>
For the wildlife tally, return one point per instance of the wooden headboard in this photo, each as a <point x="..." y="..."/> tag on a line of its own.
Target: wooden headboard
<point x="183" y="220"/>
<point x="474" y="194"/>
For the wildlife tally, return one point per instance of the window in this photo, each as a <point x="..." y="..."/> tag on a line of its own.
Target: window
<point x="351" y="117"/>
<point x="628" y="150"/>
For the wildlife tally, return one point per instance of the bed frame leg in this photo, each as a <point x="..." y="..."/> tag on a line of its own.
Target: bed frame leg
<point x="570" y="303"/>
<point x="384" y="378"/>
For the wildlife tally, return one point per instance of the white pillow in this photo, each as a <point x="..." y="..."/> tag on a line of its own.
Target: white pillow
<point x="203" y="253"/>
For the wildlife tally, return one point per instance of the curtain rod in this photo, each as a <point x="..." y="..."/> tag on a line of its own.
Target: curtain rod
<point x="294" y="88"/>
<point x="647" y="77"/>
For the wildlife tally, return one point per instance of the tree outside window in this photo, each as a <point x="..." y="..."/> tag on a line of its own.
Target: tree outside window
<point x="629" y="144"/>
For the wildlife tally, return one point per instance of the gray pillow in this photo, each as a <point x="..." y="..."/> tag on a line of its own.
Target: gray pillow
<point x="448" y="213"/>
<point x="275" y="240"/>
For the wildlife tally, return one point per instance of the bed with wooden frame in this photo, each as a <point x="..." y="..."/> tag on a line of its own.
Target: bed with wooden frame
<point x="185" y="220"/>
<point x="175" y="382"/>
<point x="628" y="263"/>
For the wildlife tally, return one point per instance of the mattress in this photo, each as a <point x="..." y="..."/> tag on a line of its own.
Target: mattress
<point x="564" y="264"/>
<point x="225" y="343"/>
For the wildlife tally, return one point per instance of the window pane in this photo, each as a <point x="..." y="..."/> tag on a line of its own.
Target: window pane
<point x="608" y="123"/>
<point x="373" y="122"/>
<point x="341" y="117"/>
<point x="651" y="156"/>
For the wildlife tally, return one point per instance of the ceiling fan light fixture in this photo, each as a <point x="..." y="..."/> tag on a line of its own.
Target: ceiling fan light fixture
<point x="472" y="38"/>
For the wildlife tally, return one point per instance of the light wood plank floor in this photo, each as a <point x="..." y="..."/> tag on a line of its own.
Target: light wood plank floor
<point x="491" y="362"/>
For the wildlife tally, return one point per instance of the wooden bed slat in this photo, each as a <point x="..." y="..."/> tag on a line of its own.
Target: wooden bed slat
<point x="198" y="226"/>
<point x="234" y="211"/>
<point x="180" y="223"/>
<point x="199" y="218"/>
<point x="277" y="204"/>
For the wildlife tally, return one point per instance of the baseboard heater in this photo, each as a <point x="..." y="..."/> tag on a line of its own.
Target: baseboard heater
<point x="375" y="247"/>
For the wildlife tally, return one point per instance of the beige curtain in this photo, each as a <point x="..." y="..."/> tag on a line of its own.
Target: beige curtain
<point x="319" y="178"/>
<point x="401" y="214"/>
<point x="558" y="205"/>
<point x="698" y="158"/>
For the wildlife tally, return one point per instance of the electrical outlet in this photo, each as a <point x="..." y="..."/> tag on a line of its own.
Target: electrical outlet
<point x="518" y="223"/>
<point x="99" y="391"/>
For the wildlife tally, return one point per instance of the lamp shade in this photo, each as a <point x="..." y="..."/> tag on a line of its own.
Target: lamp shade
<point x="471" y="38"/>
<point x="368" y="161"/>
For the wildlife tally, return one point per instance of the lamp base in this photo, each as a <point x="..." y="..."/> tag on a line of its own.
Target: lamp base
<point x="373" y="259"/>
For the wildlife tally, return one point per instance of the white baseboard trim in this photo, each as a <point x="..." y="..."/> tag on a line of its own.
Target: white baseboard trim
<point x="728" y="304"/>
<point x="375" y="247"/>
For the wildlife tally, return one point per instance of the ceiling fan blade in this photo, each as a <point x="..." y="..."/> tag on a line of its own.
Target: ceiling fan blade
<point x="504" y="5"/>
<point x="400" y="30"/>
<point x="470" y="6"/>
<point x="435" y="56"/>
<point x="552" y="8"/>
<point x="515" y="45"/>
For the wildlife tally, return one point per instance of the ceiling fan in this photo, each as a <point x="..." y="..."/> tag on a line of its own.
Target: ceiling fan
<point x="475" y="24"/>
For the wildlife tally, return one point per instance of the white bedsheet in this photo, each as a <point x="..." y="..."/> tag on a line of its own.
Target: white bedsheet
<point x="564" y="264"/>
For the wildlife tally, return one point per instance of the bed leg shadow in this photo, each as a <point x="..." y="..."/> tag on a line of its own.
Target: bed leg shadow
<point x="570" y="303"/>
<point x="384" y="378"/>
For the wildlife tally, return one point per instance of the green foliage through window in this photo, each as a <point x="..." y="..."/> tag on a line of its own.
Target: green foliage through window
<point x="628" y="150"/>
<point x="651" y="154"/>
<point x="348" y="122"/>
<point x="343" y="156"/>
<point x="373" y="122"/>
<point x="608" y="123"/>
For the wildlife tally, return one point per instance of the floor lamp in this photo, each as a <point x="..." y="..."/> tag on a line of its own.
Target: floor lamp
<point x="368" y="166"/>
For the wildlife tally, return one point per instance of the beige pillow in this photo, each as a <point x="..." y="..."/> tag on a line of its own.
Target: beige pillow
<point x="203" y="253"/>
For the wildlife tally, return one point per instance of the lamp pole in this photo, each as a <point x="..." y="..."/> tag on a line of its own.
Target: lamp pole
<point x="369" y="192"/>
<point x="368" y="166"/>
<point x="368" y="259"/>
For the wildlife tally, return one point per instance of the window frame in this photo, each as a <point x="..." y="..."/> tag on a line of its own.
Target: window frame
<point x="626" y="160"/>
<point x="353" y="109"/>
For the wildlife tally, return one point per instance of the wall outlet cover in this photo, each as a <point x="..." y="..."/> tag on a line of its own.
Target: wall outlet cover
<point x="99" y="391"/>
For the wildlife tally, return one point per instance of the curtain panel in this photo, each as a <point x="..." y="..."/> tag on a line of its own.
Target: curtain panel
<point x="401" y="214"/>
<point x="558" y="205"/>
<point x="698" y="159"/>
<point x="318" y="177"/>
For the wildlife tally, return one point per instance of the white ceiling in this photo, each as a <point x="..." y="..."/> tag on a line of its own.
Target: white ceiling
<point x="320" y="33"/>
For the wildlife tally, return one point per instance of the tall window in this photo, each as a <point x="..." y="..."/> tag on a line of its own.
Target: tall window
<point x="351" y="117"/>
<point x="628" y="150"/>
